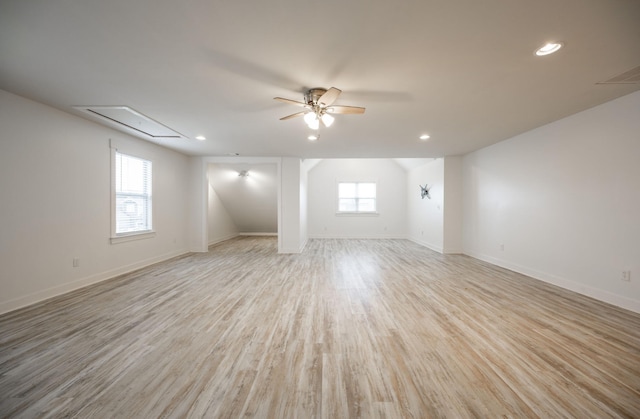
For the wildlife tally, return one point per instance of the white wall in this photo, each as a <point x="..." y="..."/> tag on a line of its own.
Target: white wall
<point x="251" y="202"/>
<point x="55" y="203"/>
<point x="425" y="217"/>
<point x="453" y="205"/>
<point x="198" y="189"/>
<point x="564" y="200"/>
<point x="322" y="199"/>
<point x="220" y="224"/>
<point x="291" y="230"/>
<point x="304" y="212"/>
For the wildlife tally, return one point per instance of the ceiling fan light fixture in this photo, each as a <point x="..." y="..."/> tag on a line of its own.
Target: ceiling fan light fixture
<point x="310" y="117"/>
<point x="312" y="120"/>
<point x="327" y="120"/>
<point x="549" y="48"/>
<point x="318" y="104"/>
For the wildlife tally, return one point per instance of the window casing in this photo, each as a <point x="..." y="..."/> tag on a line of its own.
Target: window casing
<point x="357" y="197"/>
<point x="132" y="203"/>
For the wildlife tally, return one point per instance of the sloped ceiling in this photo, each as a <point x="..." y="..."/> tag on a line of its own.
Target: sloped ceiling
<point x="409" y="164"/>
<point x="251" y="201"/>
<point x="462" y="71"/>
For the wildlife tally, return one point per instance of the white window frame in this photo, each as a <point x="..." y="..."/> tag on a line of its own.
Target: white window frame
<point x="356" y="212"/>
<point x="133" y="235"/>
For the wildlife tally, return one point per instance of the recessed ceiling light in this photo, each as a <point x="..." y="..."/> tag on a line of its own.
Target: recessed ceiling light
<point x="200" y="137"/>
<point x="549" y="48"/>
<point x="313" y="137"/>
<point x="424" y="137"/>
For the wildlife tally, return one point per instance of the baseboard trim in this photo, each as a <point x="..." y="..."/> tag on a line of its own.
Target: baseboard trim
<point x="49" y="293"/>
<point x="596" y="293"/>
<point x="217" y="240"/>
<point x="428" y="245"/>
<point x="357" y="237"/>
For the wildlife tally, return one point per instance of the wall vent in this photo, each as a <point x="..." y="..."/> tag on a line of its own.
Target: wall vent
<point x="628" y="77"/>
<point x="129" y="120"/>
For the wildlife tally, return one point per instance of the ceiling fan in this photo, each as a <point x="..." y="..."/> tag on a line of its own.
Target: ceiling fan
<point x="318" y="104"/>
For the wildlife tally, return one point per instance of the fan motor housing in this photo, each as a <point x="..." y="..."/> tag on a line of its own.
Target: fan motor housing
<point x="312" y="95"/>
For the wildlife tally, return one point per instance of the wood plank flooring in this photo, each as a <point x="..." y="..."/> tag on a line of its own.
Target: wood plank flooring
<point x="349" y="328"/>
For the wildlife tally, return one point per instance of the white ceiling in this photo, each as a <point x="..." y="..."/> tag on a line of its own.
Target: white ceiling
<point x="461" y="70"/>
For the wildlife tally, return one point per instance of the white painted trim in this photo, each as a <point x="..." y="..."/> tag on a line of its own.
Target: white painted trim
<point x="56" y="291"/>
<point x="596" y="293"/>
<point x="354" y="213"/>
<point x="222" y="239"/>
<point x="256" y="234"/>
<point x="293" y="251"/>
<point x="452" y="251"/>
<point x="428" y="245"/>
<point x="357" y="214"/>
<point x="132" y="236"/>
<point x="358" y="237"/>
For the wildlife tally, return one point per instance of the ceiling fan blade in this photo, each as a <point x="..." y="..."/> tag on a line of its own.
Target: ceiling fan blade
<point x="329" y="96"/>
<point x="292" y="115"/>
<point x="345" y="109"/>
<point x="291" y="102"/>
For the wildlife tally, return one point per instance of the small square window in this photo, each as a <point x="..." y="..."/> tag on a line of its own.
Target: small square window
<point x="356" y="197"/>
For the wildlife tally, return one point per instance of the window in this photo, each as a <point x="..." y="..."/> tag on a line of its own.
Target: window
<point x="132" y="184"/>
<point x="356" y="197"/>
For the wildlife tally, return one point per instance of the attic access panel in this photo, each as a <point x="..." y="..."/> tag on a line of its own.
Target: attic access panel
<point x="628" y="77"/>
<point x="123" y="117"/>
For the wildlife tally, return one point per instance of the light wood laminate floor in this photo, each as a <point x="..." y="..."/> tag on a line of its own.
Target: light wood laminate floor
<point x="349" y="328"/>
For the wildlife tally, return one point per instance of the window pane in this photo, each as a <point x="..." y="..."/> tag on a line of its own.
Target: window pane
<point x="347" y="205"/>
<point x="366" y="190"/>
<point x="366" y="204"/>
<point x="131" y="213"/>
<point x="357" y="197"/>
<point x="346" y="190"/>
<point x="133" y="194"/>
<point x="133" y="174"/>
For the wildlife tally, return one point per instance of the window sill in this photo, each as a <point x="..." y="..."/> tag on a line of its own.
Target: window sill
<point x="132" y="236"/>
<point x="357" y="214"/>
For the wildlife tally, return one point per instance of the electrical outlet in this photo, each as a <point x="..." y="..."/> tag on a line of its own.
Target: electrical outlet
<point x="501" y="246"/>
<point x="626" y="276"/>
<point x="76" y="262"/>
